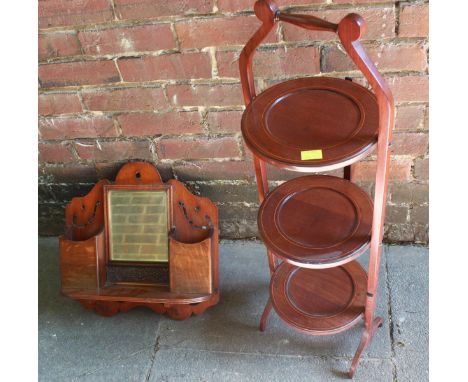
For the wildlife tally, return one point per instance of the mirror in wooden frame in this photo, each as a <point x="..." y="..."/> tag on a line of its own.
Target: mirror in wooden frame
<point x="138" y="223"/>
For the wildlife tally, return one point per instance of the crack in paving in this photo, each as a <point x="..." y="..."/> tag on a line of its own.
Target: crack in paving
<point x="154" y="352"/>
<point x="93" y="371"/>
<point x="299" y="356"/>
<point x="390" y="316"/>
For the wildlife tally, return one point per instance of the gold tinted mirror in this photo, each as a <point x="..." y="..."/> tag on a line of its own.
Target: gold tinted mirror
<point x="138" y="224"/>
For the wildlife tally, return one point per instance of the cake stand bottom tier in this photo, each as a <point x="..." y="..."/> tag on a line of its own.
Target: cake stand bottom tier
<point x="319" y="301"/>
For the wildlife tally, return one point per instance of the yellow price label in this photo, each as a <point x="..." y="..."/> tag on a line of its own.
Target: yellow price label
<point x="311" y="154"/>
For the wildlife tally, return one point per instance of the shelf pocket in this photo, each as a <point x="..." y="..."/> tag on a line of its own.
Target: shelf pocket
<point x="81" y="263"/>
<point x="190" y="266"/>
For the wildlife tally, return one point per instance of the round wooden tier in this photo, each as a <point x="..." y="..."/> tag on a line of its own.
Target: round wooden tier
<point x="319" y="301"/>
<point x="316" y="221"/>
<point x="338" y="117"/>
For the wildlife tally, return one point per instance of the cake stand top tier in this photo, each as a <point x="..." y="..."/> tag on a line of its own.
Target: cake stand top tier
<point x="312" y="124"/>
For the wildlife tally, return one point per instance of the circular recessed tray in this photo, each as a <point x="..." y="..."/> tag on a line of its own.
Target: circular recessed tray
<point x="336" y="118"/>
<point x="316" y="221"/>
<point x="319" y="301"/>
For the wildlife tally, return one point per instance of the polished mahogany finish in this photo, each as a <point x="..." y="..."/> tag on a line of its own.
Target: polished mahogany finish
<point x="316" y="221"/>
<point x="190" y="268"/>
<point x="319" y="301"/>
<point x="338" y="117"/>
<point x="290" y="121"/>
<point x="193" y="281"/>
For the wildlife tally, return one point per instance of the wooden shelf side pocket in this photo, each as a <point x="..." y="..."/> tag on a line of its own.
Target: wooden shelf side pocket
<point x="190" y="266"/>
<point x="82" y="263"/>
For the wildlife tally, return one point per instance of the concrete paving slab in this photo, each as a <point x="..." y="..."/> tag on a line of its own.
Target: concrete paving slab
<point x="224" y="344"/>
<point x="232" y="325"/>
<point x="74" y="342"/>
<point x="408" y="275"/>
<point x="172" y="365"/>
<point x="134" y="368"/>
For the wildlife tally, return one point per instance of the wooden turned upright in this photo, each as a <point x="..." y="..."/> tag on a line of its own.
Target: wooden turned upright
<point x="315" y="226"/>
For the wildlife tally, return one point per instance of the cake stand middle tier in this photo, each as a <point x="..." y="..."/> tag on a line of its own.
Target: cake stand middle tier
<point x="316" y="221"/>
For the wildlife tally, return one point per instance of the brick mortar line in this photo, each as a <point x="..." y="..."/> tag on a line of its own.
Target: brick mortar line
<point x="116" y="113"/>
<point x="173" y="162"/>
<point x="181" y="109"/>
<point x="210" y="135"/>
<point x="218" y="81"/>
<point x="184" y="137"/>
<point x="141" y="84"/>
<point x="114" y="13"/>
<point x="389" y="41"/>
<point x="210" y="16"/>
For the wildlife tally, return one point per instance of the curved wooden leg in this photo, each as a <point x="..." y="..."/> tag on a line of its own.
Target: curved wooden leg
<point x="365" y="341"/>
<point x="266" y="313"/>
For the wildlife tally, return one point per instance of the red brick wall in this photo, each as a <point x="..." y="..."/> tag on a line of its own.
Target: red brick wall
<point x="145" y="79"/>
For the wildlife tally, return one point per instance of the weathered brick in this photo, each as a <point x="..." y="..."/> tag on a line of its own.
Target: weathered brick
<point x="414" y="20"/>
<point x="51" y="219"/>
<point x="248" y="5"/>
<point x="224" y="121"/>
<point x="353" y="2"/>
<point x="410" y="144"/>
<point x="109" y="170"/>
<point x="420" y="214"/>
<point x="60" y="193"/>
<point x="77" y="127"/>
<point x="55" y="153"/>
<point x="165" y="67"/>
<point x="205" y="95"/>
<point x="421" y="233"/>
<point x="227" y="193"/>
<point x="396" y="214"/>
<point x="228" y="170"/>
<point x="398" y="233"/>
<point x="160" y="123"/>
<point x="410" y="117"/>
<point x="78" y="73"/>
<point x="201" y="148"/>
<point x="380" y="24"/>
<point x="139" y="38"/>
<point x="238" y="229"/>
<point x="409" y="193"/>
<point x="272" y="63"/>
<point x="125" y="99"/>
<point x="59" y="103"/>
<point x="366" y="170"/>
<point x="53" y="45"/>
<point x="54" y="13"/>
<point x="385" y="57"/>
<point x="236" y="30"/>
<point x="421" y="169"/>
<point x="140" y="9"/>
<point x="409" y="88"/>
<point x="426" y="118"/>
<point x="119" y="150"/>
<point x="237" y="211"/>
<point x="72" y="173"/>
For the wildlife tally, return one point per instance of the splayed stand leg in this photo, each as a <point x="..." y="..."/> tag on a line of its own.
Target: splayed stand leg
<point x="266" y="313"/>
<point x="365" y="341"/>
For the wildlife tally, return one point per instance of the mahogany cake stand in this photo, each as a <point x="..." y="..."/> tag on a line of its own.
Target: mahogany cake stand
<point x="315" y="226"/>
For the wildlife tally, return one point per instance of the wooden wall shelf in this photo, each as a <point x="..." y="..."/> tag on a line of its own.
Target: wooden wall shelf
<point x="315" y="226"/>
<point x="187" y="284"/>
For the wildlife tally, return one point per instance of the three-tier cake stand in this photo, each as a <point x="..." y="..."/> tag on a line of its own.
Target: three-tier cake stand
<point x="315" y="226"/>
